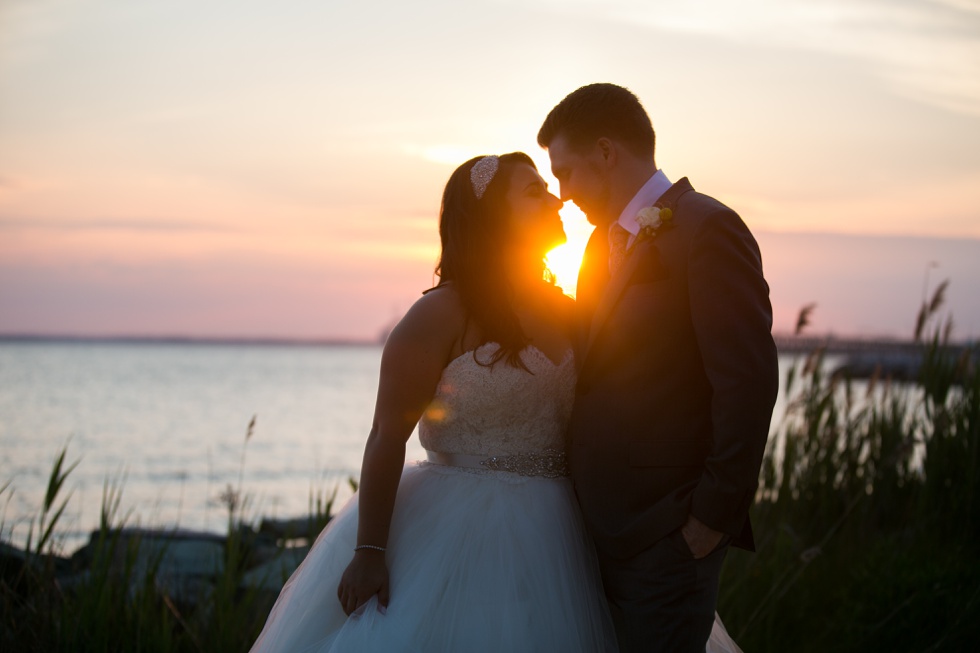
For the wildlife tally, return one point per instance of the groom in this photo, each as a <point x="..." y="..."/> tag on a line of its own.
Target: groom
<point x="677" y="375"/>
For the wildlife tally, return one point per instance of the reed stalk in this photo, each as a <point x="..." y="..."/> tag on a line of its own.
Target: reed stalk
<point x="867" y="519"/>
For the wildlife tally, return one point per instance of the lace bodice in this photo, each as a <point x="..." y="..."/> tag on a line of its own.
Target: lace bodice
<point x="500" y="410"/>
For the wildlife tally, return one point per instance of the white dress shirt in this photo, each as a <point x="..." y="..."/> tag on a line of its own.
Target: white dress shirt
<point x="648" y="195"/>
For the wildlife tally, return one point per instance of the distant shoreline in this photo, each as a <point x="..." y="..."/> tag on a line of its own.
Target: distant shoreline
<point x="785" y="344"/>
<point x="189" y="340"/>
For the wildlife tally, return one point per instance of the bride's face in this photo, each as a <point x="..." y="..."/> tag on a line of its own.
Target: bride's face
<point x="536" y="225"/>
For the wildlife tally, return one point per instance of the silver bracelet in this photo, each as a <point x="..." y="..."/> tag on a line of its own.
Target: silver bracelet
<point x="370" y="546"/>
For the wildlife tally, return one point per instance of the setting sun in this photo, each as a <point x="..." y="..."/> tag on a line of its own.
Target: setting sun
<point x="564" y="260"/>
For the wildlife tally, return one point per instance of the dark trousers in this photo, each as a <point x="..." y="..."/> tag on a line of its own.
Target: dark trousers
<point x="663" y="599"/>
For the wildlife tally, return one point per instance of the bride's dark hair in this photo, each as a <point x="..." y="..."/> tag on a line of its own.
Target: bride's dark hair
<point x="474" y="231"/>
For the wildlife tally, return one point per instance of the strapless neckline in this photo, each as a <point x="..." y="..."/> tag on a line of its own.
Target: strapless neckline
<point x="530" y="349"/>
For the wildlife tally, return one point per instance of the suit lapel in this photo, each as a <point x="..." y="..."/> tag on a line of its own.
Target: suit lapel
<point x="612" y="292"/>
<point x="617" y="284"/>
<point x="593" y="277"/>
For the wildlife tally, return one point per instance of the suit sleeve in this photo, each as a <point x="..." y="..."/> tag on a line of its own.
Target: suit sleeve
<point x="732" y="318"/>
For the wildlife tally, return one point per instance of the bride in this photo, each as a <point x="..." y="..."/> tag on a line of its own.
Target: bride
<point x="481" y="547"/>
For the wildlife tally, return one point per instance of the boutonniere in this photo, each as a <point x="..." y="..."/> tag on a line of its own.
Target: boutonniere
<point x="654" y="219"/>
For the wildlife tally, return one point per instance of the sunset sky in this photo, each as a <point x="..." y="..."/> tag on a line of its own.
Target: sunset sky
<point x="269" y="169"/>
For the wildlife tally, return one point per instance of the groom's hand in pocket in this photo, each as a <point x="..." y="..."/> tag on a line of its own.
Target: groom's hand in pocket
<point x="700" y="538"/>
<point x="365" y="576"/>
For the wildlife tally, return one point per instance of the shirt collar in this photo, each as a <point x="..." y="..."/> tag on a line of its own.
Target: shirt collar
<point x="648" y="195"/>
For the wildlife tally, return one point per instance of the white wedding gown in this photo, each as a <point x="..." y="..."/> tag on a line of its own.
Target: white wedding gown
<point x="483" y="556"/>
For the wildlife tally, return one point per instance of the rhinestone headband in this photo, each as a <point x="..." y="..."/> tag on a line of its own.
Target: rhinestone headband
<point x="482" y="172"/>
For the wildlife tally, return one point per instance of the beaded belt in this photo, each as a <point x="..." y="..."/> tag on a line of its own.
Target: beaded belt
<point x="548" y="463"/>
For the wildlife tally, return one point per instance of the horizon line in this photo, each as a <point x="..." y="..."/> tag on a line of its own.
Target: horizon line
<point x="189" y="340"/>
<point x="784" y="340"/>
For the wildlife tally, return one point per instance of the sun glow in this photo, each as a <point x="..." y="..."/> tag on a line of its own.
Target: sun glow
<point x="564" y="260"/>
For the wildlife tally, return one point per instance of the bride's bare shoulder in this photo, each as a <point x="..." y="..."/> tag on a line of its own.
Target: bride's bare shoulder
<point x="436" y="320"/>
<point x="441" y="304"/>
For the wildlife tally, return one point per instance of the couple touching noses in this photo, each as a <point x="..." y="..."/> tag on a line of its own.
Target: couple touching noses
<point x="588" y="464"/>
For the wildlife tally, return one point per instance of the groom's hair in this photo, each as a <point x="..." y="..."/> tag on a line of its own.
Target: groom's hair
<point x="598" y="110"/>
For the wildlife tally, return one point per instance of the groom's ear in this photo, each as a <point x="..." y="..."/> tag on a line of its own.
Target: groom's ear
<point x="607" y="151"/>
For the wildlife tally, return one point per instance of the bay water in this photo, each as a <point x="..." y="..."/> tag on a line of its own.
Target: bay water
<point x="167" y="423"/>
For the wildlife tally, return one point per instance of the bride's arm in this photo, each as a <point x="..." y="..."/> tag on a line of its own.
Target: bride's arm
<point x="416" y="353"/>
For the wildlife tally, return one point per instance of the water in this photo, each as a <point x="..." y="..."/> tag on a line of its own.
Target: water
<point x="168" y="421"/>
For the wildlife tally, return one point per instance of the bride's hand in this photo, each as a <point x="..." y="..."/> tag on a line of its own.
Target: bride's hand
<point x="365" y="576"/>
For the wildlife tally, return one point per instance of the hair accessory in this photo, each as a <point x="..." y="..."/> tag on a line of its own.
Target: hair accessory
<point x="482" y="172"/>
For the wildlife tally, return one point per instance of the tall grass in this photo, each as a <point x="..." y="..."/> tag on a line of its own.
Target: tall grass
<point x="867" y="518"/>
<point x="116" y="594"/>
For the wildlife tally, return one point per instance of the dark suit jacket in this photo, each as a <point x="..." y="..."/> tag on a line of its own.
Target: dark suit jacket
<point x="677" y="379"/>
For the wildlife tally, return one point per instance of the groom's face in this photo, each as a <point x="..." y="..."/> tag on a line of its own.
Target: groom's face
<point x="581" y="177"/>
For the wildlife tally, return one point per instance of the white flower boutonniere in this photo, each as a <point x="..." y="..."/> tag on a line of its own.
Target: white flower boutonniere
<point x="653" y="218"/>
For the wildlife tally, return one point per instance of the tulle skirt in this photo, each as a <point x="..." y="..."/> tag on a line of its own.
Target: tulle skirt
<point x="478" y="561"/>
